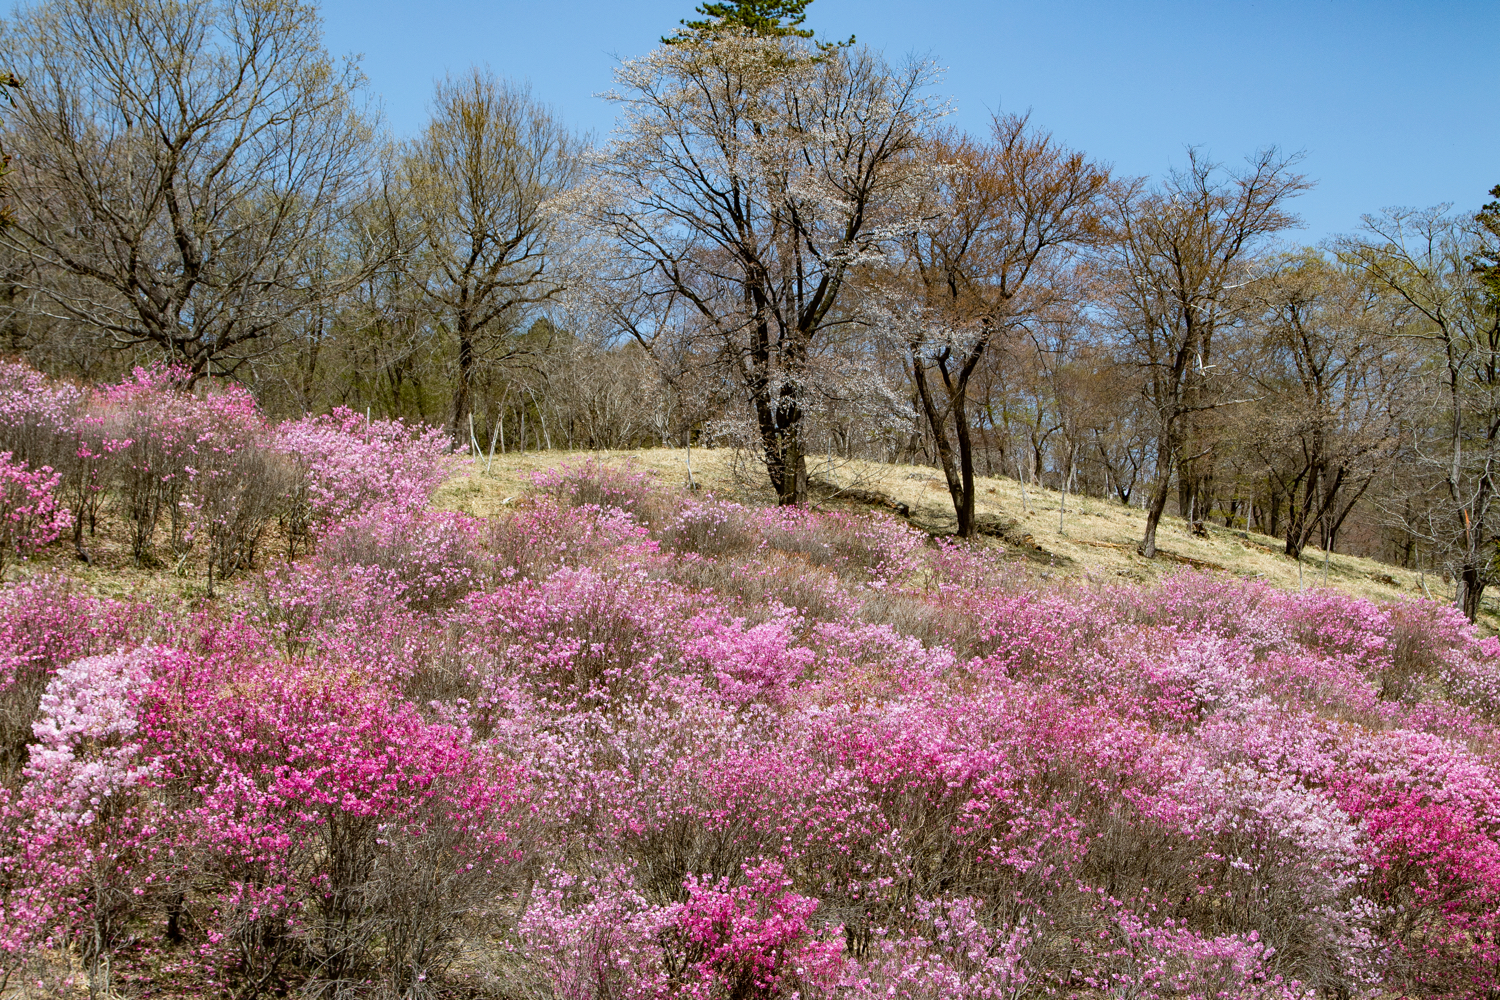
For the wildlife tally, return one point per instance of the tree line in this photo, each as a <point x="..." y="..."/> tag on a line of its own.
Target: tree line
<point x="782" y="246"/>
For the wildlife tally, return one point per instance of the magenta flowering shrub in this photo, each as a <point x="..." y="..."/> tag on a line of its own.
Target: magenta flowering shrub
<point x="754" y="939"/>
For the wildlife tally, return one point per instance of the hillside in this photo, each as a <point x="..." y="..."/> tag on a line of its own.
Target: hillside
<point x="1096" y="541"/>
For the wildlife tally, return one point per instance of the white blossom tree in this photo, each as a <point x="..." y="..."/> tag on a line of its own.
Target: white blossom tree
<point x="750" y="175"/>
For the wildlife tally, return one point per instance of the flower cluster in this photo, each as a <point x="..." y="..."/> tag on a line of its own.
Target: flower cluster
<point x="204" y="467"/>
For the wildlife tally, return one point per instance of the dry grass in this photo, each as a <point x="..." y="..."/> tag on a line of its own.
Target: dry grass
<point x="111" y="571"/>
<point x="1096" y="539"/>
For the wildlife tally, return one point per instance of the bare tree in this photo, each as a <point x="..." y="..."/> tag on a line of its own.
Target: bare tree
<point x="178" y="167"/>
<point x="1426" y="261"/>
<point x="1003" y="215"/>
<point x="477" y="183"/>
<point x="1330" y="384"/>
<point x="1177" y="254"/>
<point x="751" y="174"/>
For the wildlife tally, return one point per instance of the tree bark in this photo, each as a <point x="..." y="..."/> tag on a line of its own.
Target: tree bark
<point x="1168" y="445"/>
<point x="461" y="396"/>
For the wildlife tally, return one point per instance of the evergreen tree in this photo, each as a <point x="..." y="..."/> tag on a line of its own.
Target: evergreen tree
<point x="1487" y="260"/>
<point x="766" y="18"/>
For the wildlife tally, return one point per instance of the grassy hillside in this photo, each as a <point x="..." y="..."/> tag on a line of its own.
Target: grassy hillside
<point x="1094" y="539"/>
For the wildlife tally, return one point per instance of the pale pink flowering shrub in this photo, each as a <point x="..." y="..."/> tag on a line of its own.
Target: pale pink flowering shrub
<point x="44" y="624"/>
<point x="352" y="464"/>
<point x="84" y="753"/>
<point x="237" y="484"/>
<point x="594" y="936"/>
<point x="90" y="840"/>
<point x="155" y="419"/>
<point x="955" y="949"/>
<point x="200" y="462"/>
<point x="425" y="559"/>
<point x="205" y="463"/>
<point x="576" y="638"/>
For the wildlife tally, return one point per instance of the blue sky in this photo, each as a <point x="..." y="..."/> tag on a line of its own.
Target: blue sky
<point x="1394" y="103"/>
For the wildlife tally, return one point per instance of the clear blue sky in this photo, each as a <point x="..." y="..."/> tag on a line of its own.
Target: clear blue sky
<point x="1394" y="103"/>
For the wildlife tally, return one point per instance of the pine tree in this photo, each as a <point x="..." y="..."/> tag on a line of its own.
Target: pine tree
<point x="766" y="18"/>
<point x="1487" y="261"/>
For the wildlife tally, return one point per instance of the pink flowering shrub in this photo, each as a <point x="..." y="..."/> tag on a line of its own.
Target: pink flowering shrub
<point x="155" y="419"/>
<point x="204" y="465"/>
<point x="542" y="536"/>
<point x="326" y="824"/>
<point x="627" y="742"/>
<point x="31" y="515"/>
<point x="351" y="464"/>
<point x="425" y="558"/>
<point x="597" y="484"/>
<point x="38" y="417"/>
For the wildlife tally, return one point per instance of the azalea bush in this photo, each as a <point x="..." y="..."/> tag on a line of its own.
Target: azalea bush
<point x="31" y="514"/>
<point x="625" y="742"/>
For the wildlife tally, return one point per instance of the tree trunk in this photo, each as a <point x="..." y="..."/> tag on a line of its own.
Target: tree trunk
<point x="965" y="508"/>
<point x="786" y="464"/>
<point x="465" y="376"/>
<point x="1299" y="526"/>
<point x="1166" y="451"/>
<point x="1185" y="494"/>
<point x="959" y="488"/>
<point x="1154" y="512"/>
<point x="1470" y="588"/>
